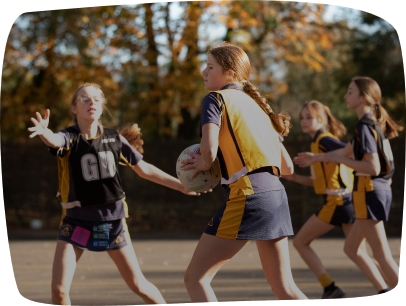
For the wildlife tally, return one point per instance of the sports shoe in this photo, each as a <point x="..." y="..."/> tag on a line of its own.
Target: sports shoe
<point x="337" y="293"/>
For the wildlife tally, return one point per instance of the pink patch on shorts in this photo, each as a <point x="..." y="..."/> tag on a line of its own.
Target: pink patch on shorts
<point x="80" y="235"/>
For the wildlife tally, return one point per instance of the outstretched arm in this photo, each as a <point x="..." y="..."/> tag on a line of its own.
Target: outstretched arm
<point x="305" y="159"/>
<point x="41" y="129"/>
<point x="156" y="175"/>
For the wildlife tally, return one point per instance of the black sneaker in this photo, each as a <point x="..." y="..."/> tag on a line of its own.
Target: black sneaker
<point x="337" y="293"/>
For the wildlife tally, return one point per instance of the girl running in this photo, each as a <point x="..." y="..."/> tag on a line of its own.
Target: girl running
<point x="237" y="126"/>
<point x="372" y="194"/>
<point x="331" y="180"/>
<point x="91" y="194"/>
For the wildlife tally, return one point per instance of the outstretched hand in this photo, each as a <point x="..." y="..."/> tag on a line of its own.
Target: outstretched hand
<point x="40" y="124"/>
<point x="304" y="159"/>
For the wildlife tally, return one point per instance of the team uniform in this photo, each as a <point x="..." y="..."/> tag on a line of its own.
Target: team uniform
<point x="256" y="206"/>
<point x="372" y="194"/>
<point x="333" y="181"/>
<point x="90" y="189"/>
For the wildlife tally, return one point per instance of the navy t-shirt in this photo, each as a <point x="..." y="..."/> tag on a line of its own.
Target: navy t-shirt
<point x="368" y="144"/>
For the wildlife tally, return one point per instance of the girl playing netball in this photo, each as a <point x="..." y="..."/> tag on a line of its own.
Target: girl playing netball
<point x="91" y="194"/>
<point x="331" y="180"/>
<point x="237" y="126"/>
<point x="372" y="194"/>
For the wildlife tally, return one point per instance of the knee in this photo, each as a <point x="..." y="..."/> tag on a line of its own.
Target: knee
<point x="191" y="280"/>
<point x="350" y="251"/>
<point x="299" y="243"/>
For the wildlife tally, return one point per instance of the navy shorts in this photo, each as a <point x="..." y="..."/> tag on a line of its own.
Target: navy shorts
<point x="94" y="235"/>
<point x="337" y="210"/>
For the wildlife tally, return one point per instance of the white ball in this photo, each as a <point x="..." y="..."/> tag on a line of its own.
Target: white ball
<point x="204" y="180"/>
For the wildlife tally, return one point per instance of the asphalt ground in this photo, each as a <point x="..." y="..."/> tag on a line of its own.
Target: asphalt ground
<point x="163" y="260"/>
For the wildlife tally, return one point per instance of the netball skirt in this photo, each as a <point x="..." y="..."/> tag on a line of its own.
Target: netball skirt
<point x="94" y="236"/>
<point x="337" y="209"/>
<point x="260" y="216"/>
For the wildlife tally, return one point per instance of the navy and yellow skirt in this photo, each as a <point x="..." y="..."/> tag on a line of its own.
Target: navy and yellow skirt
<point x="247" y="216"/>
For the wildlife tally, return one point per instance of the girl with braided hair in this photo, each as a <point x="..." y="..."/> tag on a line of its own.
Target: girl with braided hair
<point x="369" y="154"/>
<point x="91" y="193"/>
<point x="240" y="128"/>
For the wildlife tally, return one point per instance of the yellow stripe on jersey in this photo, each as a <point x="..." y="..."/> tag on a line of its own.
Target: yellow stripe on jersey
<point x="326" y="175"/>
<point x="247" y="138"/>
<point x="63" y="178"/>
<point x="124" y="162"/>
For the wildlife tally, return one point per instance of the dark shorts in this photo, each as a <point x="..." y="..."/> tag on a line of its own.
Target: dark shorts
<point x="337" y="210"/>
<point x="373" y="205"/>
<point x="261" y="216"/>
<point x="94" y="236"/>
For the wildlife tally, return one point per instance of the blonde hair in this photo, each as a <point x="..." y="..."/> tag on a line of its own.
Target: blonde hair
<point x="320" y="111"/>
<point x="231" y="57"/>
<point x="370" y="90"/>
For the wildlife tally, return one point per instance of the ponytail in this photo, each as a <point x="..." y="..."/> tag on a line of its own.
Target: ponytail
<point x="370" y="90"/>
<point x="133" y="135"/>
<point x="336" y="127"/>
<point x="280" y="121"/>
<point x="389" y="127"/>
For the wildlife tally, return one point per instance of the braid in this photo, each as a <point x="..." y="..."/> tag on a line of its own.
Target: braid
<point x="281" y="121"/>
<point x="133" y="135"/>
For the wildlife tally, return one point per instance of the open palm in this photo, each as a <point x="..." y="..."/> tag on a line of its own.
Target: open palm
<point x="40" y="124"/>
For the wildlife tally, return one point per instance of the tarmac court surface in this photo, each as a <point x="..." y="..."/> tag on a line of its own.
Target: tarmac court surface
<point x="163" y="262"/>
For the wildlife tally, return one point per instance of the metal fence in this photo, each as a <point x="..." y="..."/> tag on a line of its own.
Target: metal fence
<point x="30" y="185"/>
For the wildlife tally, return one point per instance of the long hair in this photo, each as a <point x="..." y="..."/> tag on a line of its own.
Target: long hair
<point x="370" y="90"/>
<point x="323" y="113"/>
<point x="133" y="135"/>
<point x="231" y="57"/>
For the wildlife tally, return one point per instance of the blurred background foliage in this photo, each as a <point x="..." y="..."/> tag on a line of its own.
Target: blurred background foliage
<point x="148" y="59"/>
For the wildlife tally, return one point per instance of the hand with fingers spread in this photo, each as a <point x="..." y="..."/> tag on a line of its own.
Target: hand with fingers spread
<point x="41" y="129"/>
<point x="40" y="124"/>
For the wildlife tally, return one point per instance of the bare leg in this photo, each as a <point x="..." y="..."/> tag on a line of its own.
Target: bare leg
<point x="376" y="236"/>
<point x="210" y="255"/>
<point x="358" y="255"/>
<point x="127" y="264"/>
<point x="312" y="229"/>
<point x="275" y="260"/>
<point x="63" y="269"/>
